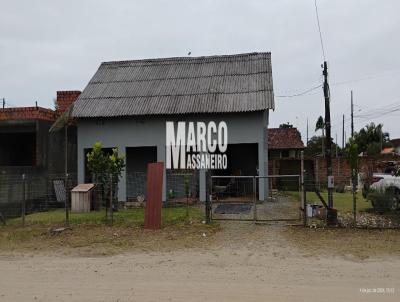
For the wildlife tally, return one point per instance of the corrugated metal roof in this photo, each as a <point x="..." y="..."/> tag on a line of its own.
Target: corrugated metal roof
<point x="216" y="84"/>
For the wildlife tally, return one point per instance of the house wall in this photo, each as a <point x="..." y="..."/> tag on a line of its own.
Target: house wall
<point x="150" y="131"/>
<point x="49" y="154"/>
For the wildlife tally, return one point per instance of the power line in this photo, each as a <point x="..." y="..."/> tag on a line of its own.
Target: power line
<point x="319" y="29"/>
<point x="299" y="94"/>
<point x="366" y="78"/>
<point x="380" y="110"/>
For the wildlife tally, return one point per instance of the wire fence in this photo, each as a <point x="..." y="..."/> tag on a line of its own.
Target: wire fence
<point x="42" y="198"/>
<point x="32" y="193"/>
<point x="182" y="187"/>
<point x="286" y="198"/>
<point x="25" y="198"/>
<point x="256" y="198"/>
<point x="351" y="209"/>
<point x="271" y="198"/>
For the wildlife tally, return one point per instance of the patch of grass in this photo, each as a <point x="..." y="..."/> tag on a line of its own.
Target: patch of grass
<point x="343" y="202"/>
<point x="89" y="235"/>
<point x="130" y="217"/>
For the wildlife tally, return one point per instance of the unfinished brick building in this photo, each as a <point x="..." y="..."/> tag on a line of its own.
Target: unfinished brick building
<point x="27" y="147"/>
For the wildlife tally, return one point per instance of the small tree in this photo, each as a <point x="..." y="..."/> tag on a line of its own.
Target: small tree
<point x="371" y="139"/>
<point x="97" y="163"/>
<point x="106" y="169"/>
<point x="287" y="125"/>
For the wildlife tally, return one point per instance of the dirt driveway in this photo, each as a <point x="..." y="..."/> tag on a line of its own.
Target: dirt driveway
<point x="243" y="262"/>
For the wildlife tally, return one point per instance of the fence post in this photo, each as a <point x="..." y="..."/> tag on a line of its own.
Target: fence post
<point x="208" y="198"/>
<point x="66" y="199"/>
<point x="23" y="205"/>
<point x="111" y="200"/>
<point x="255" y="199"/>
<point x="303" y="191"/>
<point x="354" y="196"/>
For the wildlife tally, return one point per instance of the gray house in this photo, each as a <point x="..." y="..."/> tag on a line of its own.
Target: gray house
<point x="127" y="103"/>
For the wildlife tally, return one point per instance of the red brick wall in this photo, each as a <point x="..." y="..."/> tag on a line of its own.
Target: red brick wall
<point x="340" y="170"/>
<point x="65" y="99"/>
<point x="28" y="113"/>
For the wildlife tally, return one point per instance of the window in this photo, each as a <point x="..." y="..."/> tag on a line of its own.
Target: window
<point x="18" y="149"/>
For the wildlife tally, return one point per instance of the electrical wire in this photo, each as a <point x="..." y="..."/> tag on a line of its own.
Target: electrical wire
<point x="301" y="93"/>
<point x="366" y="78"/>
<point x="319" y="29"/>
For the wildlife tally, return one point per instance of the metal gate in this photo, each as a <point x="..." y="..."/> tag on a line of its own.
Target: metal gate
<point x="256" y="198"/>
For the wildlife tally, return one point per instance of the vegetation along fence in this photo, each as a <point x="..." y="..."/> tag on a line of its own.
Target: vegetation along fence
<point x="351" y="208"/>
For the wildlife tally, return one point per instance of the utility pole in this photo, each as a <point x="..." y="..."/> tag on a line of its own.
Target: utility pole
<point x="343" y="138"/>
<point x="4" y="103"/>
<point x="328" y="149"/>
<point x="353" y="171"/>
<point x="307" y="134"/>
<point x="352" y="115"/>
<point x="336" y="145"/>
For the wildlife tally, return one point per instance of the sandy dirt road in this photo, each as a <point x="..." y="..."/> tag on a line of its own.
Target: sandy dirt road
<point x="236" y="267"/>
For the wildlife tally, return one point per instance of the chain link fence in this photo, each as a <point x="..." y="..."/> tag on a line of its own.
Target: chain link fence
<point x="182" y="187"/>
<point x="51" y="198"/>
<point x="254" y="198"/>
<point x="55" y="198"/>
<point x="25" y="194"/>
<point x="358" y="209"/>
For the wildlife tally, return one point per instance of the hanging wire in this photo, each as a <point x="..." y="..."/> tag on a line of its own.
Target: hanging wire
<point x="319" y="29"/>
<point x="301" y="93"/>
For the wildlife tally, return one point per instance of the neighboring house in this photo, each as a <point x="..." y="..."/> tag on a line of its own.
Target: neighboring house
<point x="396" y="145"/>
<point x="284" y="149"/>
<point x="284" y="143"/>
<point x="126" y="105"/>
<point x="27" y="147"/>
<point x="388" y="150"/>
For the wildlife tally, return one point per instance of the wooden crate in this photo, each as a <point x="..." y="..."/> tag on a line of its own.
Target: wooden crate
<point x="81" y="198"/>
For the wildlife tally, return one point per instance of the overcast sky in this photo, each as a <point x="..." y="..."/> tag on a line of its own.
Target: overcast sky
<point x="50" y="45"/>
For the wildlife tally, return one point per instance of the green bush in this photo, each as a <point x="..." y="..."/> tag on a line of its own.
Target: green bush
<point x="384" y="200"/>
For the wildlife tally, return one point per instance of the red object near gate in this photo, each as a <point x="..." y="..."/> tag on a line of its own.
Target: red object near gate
<point x="152" y="217"/>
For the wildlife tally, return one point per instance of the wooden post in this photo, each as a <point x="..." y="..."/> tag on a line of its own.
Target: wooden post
<point x="23" y="205"/>
<point x="208" y="198"/>
<point x="354" y="197"/>
<point x="66" y="199"/>
<point x="255" y="199"/>
<point x="328" y="150"/>
<point x="303" y="190"/>
<point x="110" y="210"/>
<point x="152" y="217"/>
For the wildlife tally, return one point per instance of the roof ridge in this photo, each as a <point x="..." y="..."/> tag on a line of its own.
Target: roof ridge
<point x="176" y="95"/>
<point x="181" y="78"/>
<point x="173" y="59"/>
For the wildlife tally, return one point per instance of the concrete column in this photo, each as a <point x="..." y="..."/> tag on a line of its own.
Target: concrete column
<point x="81" y="162"/>
<point x="266" y="183"/>
<point x="202" y="185"/>
<point x="263" y="158"/>
<point x="261" y="171"/>
<point x="161" y="158"/>
<point x="122" y="181"/>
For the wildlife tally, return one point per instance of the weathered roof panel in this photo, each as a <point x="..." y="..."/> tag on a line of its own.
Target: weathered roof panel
<point x="284" y="138"/>
<point x="233" y="83"/>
